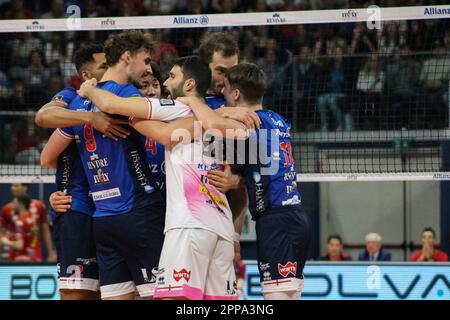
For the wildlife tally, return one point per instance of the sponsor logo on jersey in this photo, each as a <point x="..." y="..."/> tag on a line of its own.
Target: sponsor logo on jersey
<point x="264" y="266"/>
<point x="87" y="261"/>
<point x="106" y="194"/>
<point x="97" y="163"/>
<point x="58" y="98"/>
<point x="182" y="274"/>
<point x="231" y="289"/>
<point x="290" y="176"/>
<point x="289" y="268"/>
<point x="276" y="156"/>
<point x="290" y="188"/>
<point x="267" y="276"/>
<point x="292" y="201"/>
<point x="166" y="102"/>
<point x="101" y="178"/>
<point x="139" y="171"/>
<point x="212" y="198"/>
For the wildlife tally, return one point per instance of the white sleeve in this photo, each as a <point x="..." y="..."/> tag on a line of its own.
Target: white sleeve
<point x="167" y="110"/>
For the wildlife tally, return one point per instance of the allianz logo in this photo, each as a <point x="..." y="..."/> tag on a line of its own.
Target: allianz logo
<point x="203" y="20"/>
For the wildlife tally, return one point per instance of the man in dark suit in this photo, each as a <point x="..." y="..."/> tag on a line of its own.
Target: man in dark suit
<point x="373" y="251"/>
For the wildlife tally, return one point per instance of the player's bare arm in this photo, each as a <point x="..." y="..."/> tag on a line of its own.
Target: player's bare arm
<point x="55" y="115"/>
<point x="212" y="120"/>
<point x="242" y="114"/>
<point x="135" y="107"/>
<point x="165" y="133"/>
<point x="54" y="147"/>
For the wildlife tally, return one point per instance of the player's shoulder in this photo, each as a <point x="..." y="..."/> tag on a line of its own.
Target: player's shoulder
<point x="66" y="95"/>
<point x="119" y="89"/>
<point x="271" y="118"/>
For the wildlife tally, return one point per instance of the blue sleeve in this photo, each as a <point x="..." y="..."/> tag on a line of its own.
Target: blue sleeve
<point x="66" y="95"/>
<point x="67" y="132"/>
<point x="130" y="91"/>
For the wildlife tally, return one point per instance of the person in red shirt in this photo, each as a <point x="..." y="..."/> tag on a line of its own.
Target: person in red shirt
<point x="429" y="251"/>
<point x="334" y="247"/>
<point x="22" y="235"/>
<point x="38" y="210"/>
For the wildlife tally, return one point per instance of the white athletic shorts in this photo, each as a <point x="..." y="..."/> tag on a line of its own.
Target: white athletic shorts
<point x="196" y="264"/>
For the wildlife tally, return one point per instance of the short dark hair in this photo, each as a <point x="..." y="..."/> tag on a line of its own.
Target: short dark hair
<point x="195" y="68"/>
<point x="249" y="79"/>
<point x="336" y="237"/>
<point x="429" y="229"/>
<point x="223" y="42"/>
<point x="132" y="41"/>
<point x="85" y="54"/>
<point x="25" y="200"/>
<point x="156" y="72"/>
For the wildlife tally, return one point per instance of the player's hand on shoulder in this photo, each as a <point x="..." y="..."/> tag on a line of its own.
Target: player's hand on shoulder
<point x="244" y="115"/>
<point x="60" y="202"/>
<point x="109" y="126"/>
<point x="86" y="87"/>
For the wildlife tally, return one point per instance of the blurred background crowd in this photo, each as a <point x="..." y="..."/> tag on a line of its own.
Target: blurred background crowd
<point x="322" y="77"/>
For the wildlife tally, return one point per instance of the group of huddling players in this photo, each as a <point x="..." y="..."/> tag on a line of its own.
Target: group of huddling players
<point x="146" y="206"/>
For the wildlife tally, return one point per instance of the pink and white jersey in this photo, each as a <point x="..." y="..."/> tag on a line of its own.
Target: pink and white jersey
<point x="191" y="201"/>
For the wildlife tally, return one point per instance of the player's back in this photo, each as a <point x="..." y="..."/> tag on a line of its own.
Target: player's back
<point x="117" y="171"/>
<point x="271" y="181"/>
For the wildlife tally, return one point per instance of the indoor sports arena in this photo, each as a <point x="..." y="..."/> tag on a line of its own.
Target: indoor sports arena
<point x="338" y="192"/>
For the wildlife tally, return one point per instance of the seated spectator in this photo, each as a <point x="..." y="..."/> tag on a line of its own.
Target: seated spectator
<point x="373" y="251"/>
<point x="429" y="251"/>
<point x="335" y="95"/>
<point x="334" y="248"/>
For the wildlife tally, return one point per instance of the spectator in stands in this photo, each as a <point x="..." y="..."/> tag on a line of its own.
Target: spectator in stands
<point x="429" y="251"/>
<point x="21" y="47"/>
<point x="58" y="56"/>
<point x="57" y="10"/>
<point x="19" y="11"/>
<point x="224" y="6"/>
<point x="335" y="95"/>
<point x="402" y="79"/>
<point x="153" y="7"/>
<point x="36" y="76"/>
<point x="334" y="250"/>
<point x="16" y="101"/>
<point x="371" y="78"/>
<point x="270" y="64"/>
<point x="5" y="86"/>
<point x="373" y="251"/>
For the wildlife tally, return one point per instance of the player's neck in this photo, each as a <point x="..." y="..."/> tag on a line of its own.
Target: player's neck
<point x="250" y="106"/>
<point x="115" y="74"/>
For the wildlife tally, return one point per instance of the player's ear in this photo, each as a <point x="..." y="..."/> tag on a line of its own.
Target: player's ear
<point x="126" y="56"/>
<point x="85" y="74"/>
<point x="190" y="85"/>
<point x="236" y="94"/>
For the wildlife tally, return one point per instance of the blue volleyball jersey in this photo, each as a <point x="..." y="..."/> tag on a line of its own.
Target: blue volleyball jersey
<point x="117" y="171"/>
<point x="215" y="101"/>
<point x="269" y="168"/>
<point x="155" y="159"/>
<point x="70" y="177"/>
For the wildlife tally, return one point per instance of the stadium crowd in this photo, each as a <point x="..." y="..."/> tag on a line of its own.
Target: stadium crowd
<point x="323" y="77"/>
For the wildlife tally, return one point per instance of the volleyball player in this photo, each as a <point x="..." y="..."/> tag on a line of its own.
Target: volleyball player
<point x="282" y="228"/>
